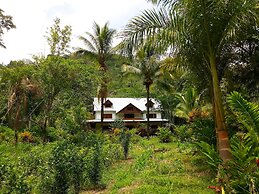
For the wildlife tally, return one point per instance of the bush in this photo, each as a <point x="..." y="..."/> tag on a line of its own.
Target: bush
<point x="211" y="155"/>
<point x="135" y="138"/>
<point x="111" y="153"/>
<point x="94" y="165"/>
<point x="26" y="136"/>
<point x="164" y="134"/>
<point x="241" y="174"/>
<point x="67" y="164"/>
<point x="6" y="134"/>
<point x="125" y="142"/>
<point x="203" y="129"/>
<point x="117" y="124"/>
<point x="183" y="132"/>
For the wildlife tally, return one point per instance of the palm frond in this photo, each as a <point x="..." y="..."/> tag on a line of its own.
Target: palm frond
<point x="162" y="2"/>
<point x="130" y="69"/>
<point x="152" y="24"/>
<point x="88" y="44"/>
<point x="246" y="112"/>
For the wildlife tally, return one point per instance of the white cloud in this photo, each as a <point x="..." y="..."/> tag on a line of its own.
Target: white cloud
<point x="33" y="17"/>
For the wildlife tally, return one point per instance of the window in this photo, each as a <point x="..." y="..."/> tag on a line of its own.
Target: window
<point x="150" y="104"/>
<point x="128" y="116"/>
<point x="107" y="116"/>
<point x="130" y="108"/>
<point x="108" y="104"/>
<point x="152" y="116"/>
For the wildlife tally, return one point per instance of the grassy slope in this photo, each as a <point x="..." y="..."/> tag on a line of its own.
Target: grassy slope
<point x="156" y="167"/>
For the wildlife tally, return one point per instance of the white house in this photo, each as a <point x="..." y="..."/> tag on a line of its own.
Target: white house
<point x="131" y="110"/>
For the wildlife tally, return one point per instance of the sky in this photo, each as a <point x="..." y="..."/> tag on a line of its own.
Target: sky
<point x="33" y="18"/>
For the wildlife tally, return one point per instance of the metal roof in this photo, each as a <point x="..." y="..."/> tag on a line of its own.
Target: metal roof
<point x="120" y="103"/>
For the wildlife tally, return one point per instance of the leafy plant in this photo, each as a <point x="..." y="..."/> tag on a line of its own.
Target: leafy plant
<point x="117" y="124"/>
<point x="188" y="101"/>
<point x="94" y="164"/>
<point x="68" y="168"/>
<point x="183" y="132"/>
<point x="242" y="169"/>
<point x="164" y="134"/>
<point x="247" y="113"/>
<point x="125" y="136"/>
<point x="6" y="134"/>
<point x="26" y="136"/>
<point x="210" y="154"/>
<point x="142" y="160"/>
<point x="203" y="129"/>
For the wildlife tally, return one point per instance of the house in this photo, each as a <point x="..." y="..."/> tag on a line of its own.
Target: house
<point x="133" y="111"/>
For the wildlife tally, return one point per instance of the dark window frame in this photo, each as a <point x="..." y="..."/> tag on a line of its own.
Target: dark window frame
<point x="107" y="116"/>
<point x="152" y="116"/>
<point x="129" y="116"/>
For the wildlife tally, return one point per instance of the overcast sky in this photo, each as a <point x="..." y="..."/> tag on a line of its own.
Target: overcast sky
<point x="33" y="17"/>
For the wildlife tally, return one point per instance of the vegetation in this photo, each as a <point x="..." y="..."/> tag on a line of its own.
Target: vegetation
<point x="148" y="68"/>
<point x="199" y="58"/>
<point x="100" y="44"/>
<point x="6" y="23"/>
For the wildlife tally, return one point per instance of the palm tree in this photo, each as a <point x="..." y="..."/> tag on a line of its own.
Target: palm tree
<point x="188" y="101"/>
<point x="100" y="45"/>
<point x="198" y="30"/>
<point x="147" y="67"/>
<point x="21" y="91"/>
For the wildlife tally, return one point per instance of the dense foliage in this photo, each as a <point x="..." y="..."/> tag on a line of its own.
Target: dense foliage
<point x="198" y="58"/>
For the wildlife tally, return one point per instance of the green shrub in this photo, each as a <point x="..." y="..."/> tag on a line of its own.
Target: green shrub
<point x="112" y="152"/>
<point x="117" y="124"/>
<point x="94" y="165"/>
<point x="125" y="136"/>
<point x="164" y="134"/>
<point x="183" y="132"/>
<point x="6" y="134"/>
<point x="56" y="134"/>
<point x="210" y="155"/>
<point x="203" y="129"/>
<point x="242" y="170"/>
<point x="68" y="166"/>
<point x="135" y="138"/>
<point x="241" y="174"/>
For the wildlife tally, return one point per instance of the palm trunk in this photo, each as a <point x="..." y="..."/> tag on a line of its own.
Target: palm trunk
<point x="102" y="113"/>
<point x="148" y="131"/>
<point x="221" y="129"/>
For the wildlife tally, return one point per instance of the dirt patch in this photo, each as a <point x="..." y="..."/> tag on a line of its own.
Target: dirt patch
<point x="128" y="189"/>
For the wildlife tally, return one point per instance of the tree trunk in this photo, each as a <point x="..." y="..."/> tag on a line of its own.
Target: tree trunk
<point x="148" y="130"/>
<point x="102" y="112"/>
<point x="221" y="129"/>
<point x="17" y="123"/>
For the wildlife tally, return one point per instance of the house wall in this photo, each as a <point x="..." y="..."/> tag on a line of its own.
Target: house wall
<point x="121" y="115"/>
<point x="136" y="115"/>
<point x="158" y="115"/>
<point x="98" y="114"/>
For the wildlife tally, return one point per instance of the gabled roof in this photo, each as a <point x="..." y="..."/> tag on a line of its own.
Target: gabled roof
<point x="108" y="103"/>
<point x="130" y="105"/>
<point x="120" y="103"/>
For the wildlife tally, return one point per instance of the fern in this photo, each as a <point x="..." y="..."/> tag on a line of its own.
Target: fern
<point x="210" y="153"/>
<point x="246" y="112"/>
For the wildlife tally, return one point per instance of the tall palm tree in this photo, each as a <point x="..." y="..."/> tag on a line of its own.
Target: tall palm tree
<point x="198" y="30"/>
<point x="147" y="67"/>
<point x="99" y="43"/>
